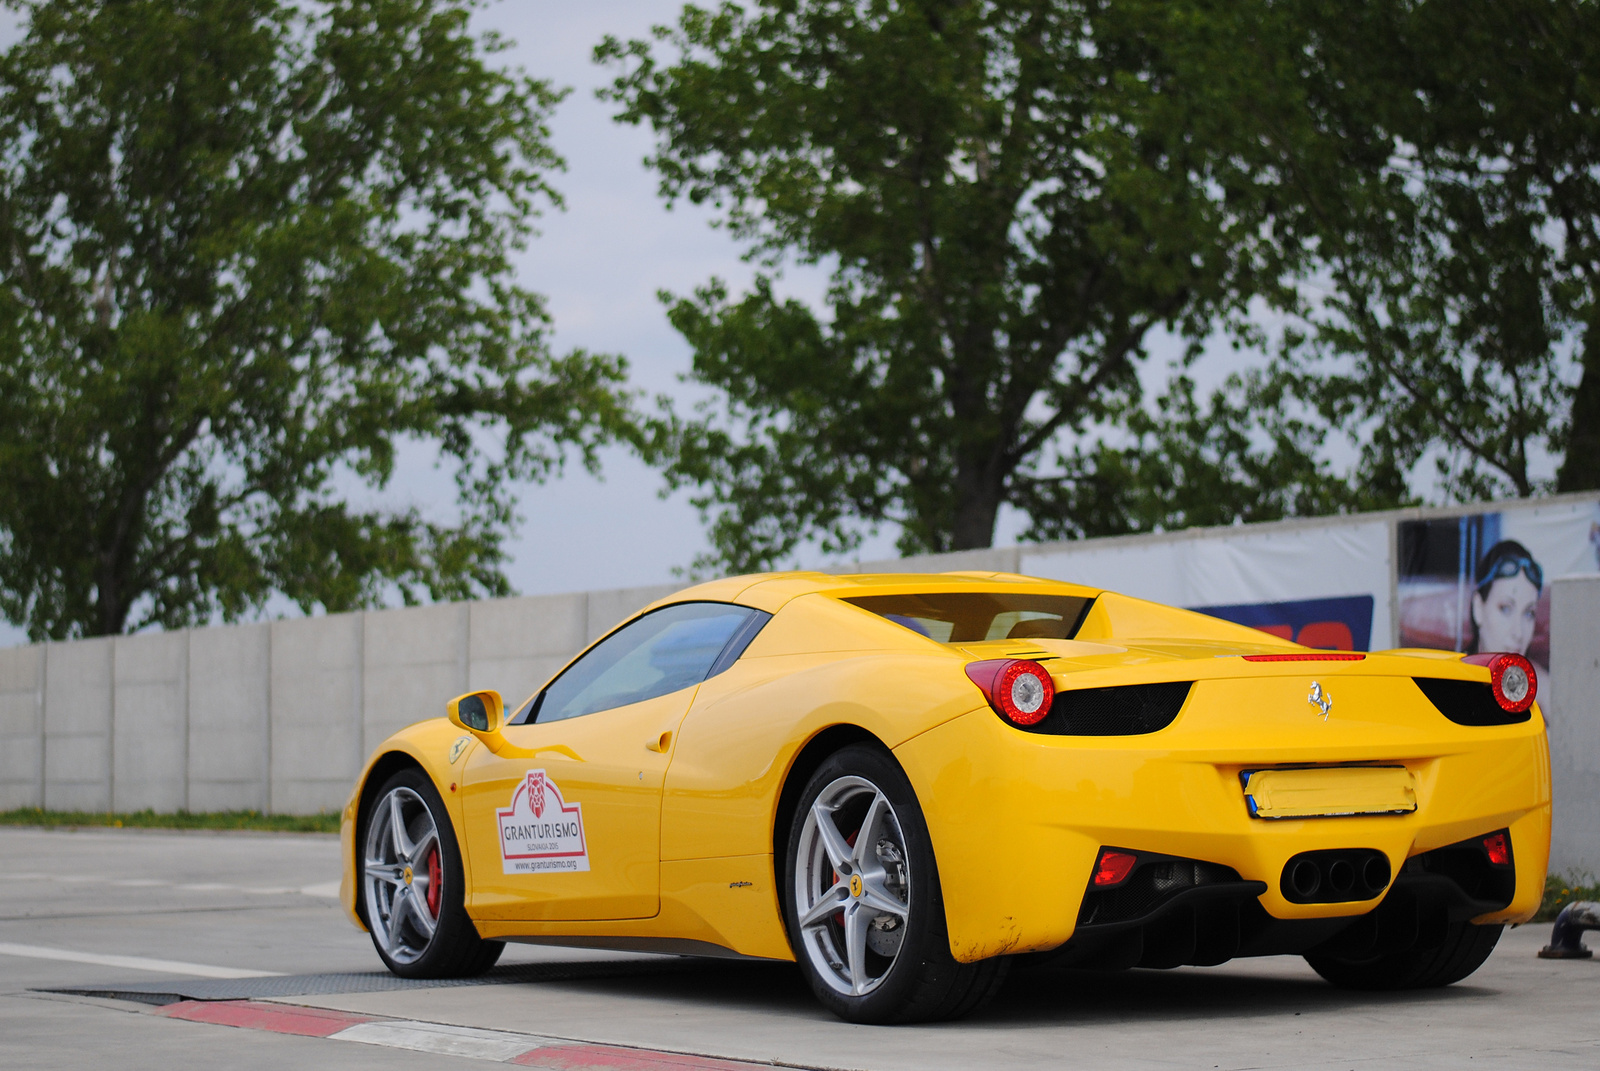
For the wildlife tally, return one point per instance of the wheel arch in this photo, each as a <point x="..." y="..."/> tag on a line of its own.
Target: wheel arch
<point x="815" y="752"/>
<point x="383" y="767"/>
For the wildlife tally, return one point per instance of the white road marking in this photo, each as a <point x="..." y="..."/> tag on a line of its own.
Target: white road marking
<point x="328" y="890"/>
<point x="133" y="963"/>
<point x="443" y="1040"/>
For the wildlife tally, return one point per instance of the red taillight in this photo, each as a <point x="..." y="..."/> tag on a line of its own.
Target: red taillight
<point x="1307" y="656"/>
<point x="1512" y="678"/>
<point x="1113" y="867"/>
<point x="1499" y="849"/>
<point x="1019" y="689"/>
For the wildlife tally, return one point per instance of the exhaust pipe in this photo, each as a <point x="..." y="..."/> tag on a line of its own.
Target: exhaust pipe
<point x="1335" y="876"/>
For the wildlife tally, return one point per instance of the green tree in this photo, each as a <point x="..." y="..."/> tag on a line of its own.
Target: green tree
<point x="1008" y="210"/>
<point x="1246" y="453"/>
<point x="1452" y="284"/>
<point x="1432" y="174"/>
<point x="247" y="250"/>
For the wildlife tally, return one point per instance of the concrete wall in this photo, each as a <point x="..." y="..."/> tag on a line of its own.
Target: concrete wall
<point x="1573" y="708"/>
<point x="270" y="717"/>
<point x="21" y="727"/>
<point x="280" y="716"/>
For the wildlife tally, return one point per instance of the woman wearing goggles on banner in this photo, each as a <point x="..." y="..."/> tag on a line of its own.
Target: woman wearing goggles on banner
<point x="1505" y="599"/>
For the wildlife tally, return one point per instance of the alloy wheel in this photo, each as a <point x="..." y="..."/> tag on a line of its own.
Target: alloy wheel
<point x="852" y="886"/>
<point x="403" y="875"/>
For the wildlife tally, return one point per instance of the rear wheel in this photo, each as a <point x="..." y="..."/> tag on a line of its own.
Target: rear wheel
<point x="862" y="899"/>
<point x="1463" y="951"/>
<point x="412" y="885"/>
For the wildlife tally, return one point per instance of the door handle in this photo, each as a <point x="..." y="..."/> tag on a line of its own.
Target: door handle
<point x="660" y="743"/>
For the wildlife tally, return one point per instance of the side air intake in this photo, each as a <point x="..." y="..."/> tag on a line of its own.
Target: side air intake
<point x="1129" y="710"/>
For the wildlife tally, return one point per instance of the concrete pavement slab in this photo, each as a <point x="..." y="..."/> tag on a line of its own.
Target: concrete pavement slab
<point x="177" y="897"/>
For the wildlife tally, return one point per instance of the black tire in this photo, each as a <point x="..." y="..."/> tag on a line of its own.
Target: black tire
<point x="922" y="981"/>
<point x="454" y="949"/>
<point x="1463" y="951"/>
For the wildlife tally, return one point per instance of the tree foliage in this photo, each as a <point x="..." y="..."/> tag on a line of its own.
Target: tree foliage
<point x="1453" y="284"/>
<point x="1008" y="211"/>
<point x="1011" y="197"/>
<point x="247" y="252"/>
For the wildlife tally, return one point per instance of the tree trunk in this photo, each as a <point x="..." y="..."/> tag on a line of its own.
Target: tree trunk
<point x="979" y="489"/>
<point x="1580" y="470"/>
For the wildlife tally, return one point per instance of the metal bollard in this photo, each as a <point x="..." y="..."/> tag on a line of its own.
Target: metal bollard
<point x="1566" y="937"/>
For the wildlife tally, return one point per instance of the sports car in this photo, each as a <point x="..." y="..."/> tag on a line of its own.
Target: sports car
<point x="906" y="783"/>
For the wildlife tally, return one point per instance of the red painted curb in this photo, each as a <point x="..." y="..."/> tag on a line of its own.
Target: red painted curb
<point x="610" y="1058"/>
<point x="254" y="1015"/>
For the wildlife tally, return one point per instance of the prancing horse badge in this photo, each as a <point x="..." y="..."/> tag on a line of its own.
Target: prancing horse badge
<point x="1320" y="699"/>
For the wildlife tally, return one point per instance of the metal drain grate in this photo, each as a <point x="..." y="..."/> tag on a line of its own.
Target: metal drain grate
<point x="296" y="985"/>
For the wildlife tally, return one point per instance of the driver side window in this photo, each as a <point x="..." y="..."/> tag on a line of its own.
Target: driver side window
<point x="674" y="647"/>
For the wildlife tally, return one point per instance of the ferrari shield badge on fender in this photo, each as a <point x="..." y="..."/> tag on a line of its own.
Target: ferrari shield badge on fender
<point x="540" y="831"/>
<point x="458" y="747"/>
<point x="1320" y="699"/>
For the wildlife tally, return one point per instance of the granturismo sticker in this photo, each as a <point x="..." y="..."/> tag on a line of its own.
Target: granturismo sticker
<point x="540" y="831"/>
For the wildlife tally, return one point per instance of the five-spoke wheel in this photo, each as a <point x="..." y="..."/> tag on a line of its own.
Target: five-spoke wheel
<point x="403" y="875"/>
<point x="861" y="895"/>
<point x="411" y="884"/>
<point x="852" y="888"/>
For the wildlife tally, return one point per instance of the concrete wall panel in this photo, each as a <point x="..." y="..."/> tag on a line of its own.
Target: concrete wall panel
<point x="316" y="712"/>
<point x="149" y="716"/>
<point x="77" y="727"/>
<point x="21" y="727"/>
<point x="230" y="685"/>
<point x="413" y="660"/>
<point x="1571" y="701"/>
<point x="518" y="644"/>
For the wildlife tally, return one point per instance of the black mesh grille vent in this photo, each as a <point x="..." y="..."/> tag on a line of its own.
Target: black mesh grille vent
<point x="1152" y="883"/>
<point x="1468" y="702"/>
<point x="1126" y="711"/>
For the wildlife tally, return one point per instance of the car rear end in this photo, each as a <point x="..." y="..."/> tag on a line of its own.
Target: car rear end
<point x="1179" y="802"/>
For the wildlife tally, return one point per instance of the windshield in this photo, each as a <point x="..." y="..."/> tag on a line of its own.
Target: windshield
<point x="974" y="616"/>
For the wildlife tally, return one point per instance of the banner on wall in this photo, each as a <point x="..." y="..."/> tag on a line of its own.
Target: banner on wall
<point x="1323" y="585"/>
<point x="1341" y="624"/>
<point x="1481" y="581"/>
<point x="1330" y="584"/>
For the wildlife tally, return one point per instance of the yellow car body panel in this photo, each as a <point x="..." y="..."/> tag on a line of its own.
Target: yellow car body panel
<point x="682" y="796"/>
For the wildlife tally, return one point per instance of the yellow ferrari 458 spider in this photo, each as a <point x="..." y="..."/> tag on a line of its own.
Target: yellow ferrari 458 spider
<point x="904" y="782"/>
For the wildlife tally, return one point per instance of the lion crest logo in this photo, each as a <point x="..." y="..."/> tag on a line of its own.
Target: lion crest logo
<point x="536" y="793"/>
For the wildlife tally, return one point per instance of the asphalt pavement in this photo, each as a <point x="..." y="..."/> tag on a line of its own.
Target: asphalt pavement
<point x="128" y="914"/>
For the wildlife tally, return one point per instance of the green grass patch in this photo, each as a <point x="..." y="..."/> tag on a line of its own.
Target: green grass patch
<point x="277" y="823"/>
<point x="1563" y="889"/>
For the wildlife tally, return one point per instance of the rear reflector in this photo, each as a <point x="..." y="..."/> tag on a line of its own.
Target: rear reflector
<point x="1499" y="851"/>
<point x="1113" y="867"/>
<point x="1308" y="656"/>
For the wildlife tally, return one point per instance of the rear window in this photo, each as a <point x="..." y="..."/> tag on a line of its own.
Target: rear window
<point x="973" y="616"/>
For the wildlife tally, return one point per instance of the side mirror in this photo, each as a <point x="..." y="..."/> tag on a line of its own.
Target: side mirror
<point x="480" y="713"/>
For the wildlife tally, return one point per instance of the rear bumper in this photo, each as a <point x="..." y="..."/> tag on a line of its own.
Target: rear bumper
<point x="1017" y="819"/>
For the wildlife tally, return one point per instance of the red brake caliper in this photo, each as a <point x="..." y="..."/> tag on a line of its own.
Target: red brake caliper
<point x="434" y="882"/>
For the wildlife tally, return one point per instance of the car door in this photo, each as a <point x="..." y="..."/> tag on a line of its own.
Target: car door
<point x="564" y="822"/>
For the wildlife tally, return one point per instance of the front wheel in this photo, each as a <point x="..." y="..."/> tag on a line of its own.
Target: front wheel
<point x="862" y="899"/>
<point x="1463" y="951"/>
<point x="412" y="885"/>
